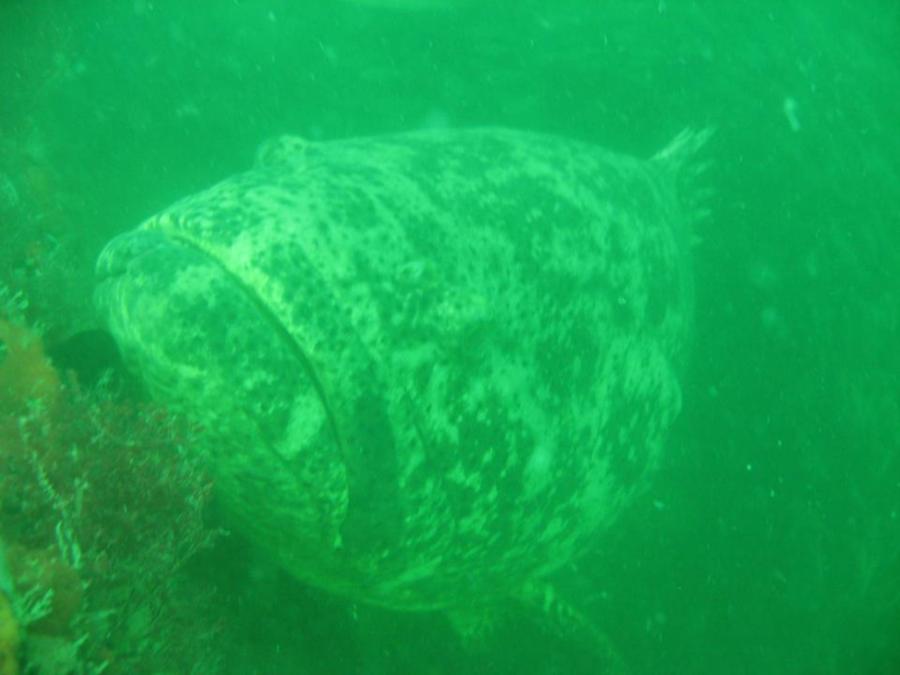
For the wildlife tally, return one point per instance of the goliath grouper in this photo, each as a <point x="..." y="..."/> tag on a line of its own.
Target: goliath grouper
<point x="432" y="366"/>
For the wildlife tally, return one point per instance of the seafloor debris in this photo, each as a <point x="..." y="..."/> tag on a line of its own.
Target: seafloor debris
<point x="100" y="508"/>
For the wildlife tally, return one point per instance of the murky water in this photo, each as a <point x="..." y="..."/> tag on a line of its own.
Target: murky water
<point x="769" y="541"/>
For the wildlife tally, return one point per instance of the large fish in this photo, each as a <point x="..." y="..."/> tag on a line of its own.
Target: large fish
<point x="432" y="366"/>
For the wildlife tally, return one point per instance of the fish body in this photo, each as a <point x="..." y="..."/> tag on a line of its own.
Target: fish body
<point x="433" y="366"/>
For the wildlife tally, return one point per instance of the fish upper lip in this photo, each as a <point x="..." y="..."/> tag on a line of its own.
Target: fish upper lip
<point x="106" y="271"/>
<point x="109" y="267"/>
<point x="120" y="252"/>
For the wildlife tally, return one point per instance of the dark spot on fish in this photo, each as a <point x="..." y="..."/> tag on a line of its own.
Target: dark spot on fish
<point x="374" y="517"/>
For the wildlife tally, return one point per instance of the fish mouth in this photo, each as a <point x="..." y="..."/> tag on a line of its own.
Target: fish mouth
<point x="156" y="292"/>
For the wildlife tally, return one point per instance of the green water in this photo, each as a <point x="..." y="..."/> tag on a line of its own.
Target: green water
<point x="770" y="540"/>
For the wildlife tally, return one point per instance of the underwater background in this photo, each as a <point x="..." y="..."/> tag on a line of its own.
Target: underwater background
<point x="770" y="539"/>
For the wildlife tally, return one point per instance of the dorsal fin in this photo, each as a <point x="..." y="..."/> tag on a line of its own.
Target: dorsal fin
<point x="283" y="151"/>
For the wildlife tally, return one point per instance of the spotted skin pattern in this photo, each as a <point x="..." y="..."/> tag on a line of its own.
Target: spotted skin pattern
<point x="433" y="366"/>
